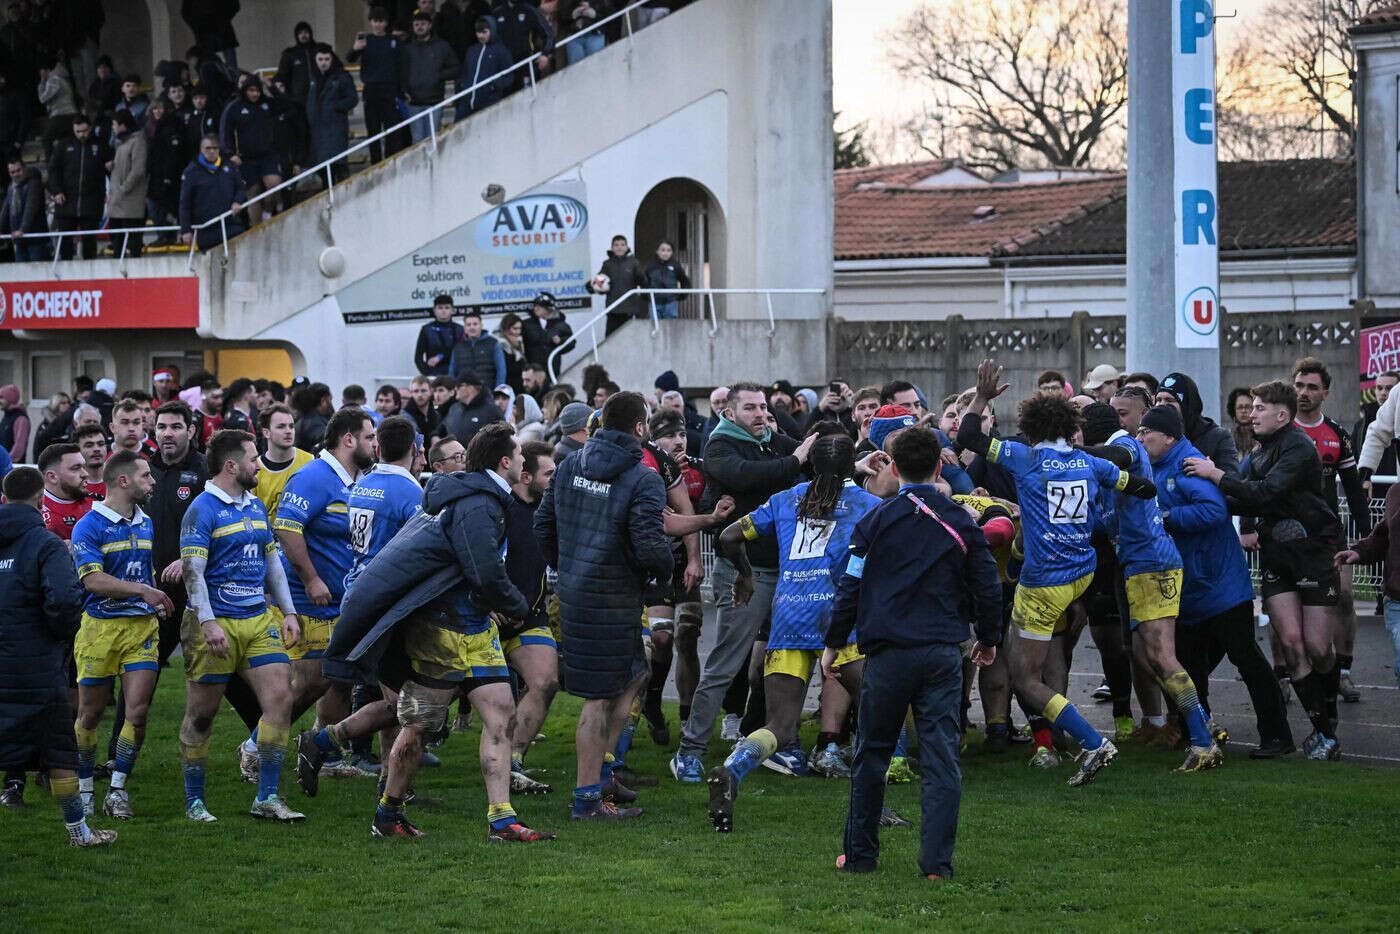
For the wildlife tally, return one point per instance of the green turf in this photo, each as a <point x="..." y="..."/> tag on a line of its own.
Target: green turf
<point x="1253" y="846"/>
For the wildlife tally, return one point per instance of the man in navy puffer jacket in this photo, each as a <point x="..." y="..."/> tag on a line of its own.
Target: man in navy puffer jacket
<point x="600" y="526"/>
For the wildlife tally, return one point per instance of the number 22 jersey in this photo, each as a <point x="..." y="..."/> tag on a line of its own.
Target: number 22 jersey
<point x="1057" y="487"/>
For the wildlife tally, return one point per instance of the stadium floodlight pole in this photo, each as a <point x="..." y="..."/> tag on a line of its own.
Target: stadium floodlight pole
<point x="1165" y="317"/>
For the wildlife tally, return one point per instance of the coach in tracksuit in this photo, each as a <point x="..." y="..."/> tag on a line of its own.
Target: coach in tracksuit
<point x="918" y="571"/>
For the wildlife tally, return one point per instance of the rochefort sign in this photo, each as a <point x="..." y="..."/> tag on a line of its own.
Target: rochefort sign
<point x="1197" y="222"/>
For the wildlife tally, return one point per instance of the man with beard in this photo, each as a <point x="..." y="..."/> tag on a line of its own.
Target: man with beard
<point x="112" y="548"/>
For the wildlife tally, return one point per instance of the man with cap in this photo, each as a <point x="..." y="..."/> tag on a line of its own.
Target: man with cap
<point x="164" y="386"/>
<point x="1102" y="382"/>
<point x="1213" y="441"/>
<point x="545" y="329"/>
<point x="573" y="423"/>
<point x="780" y="405"/>
<point x="473" y="408"/>
<point x="1216" y="618"/>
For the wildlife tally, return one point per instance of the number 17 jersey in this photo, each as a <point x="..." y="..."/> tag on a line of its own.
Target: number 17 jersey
<point x="1057" y="487"/>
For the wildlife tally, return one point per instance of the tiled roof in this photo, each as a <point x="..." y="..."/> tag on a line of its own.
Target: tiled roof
<point x="1299" y="204"/>
<point x="1379" y="20"/>
<point x="902" y="175"/>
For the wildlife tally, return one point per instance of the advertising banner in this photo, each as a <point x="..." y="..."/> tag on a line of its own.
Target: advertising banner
<point x="495" y="263"/>
<point x="1194" y="197"/>
<point x="100" y="303"/>
<point x="1380" y="352"/>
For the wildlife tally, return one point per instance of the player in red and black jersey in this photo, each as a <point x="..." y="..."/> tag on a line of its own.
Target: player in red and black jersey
<point x="92" y="443"/>
<point x="65" y="497"/>
<point x="1311" y="381"/>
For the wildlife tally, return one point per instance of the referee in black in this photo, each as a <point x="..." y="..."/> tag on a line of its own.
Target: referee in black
<point x="919" y="570"/>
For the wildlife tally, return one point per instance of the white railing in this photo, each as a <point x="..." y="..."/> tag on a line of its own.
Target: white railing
<point x="552" y="364"/>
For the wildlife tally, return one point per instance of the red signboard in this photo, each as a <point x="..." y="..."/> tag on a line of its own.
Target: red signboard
<point x="100" y="303"/>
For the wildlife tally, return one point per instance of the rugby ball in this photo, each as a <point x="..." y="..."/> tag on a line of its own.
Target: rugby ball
<point x="600" y="284"/>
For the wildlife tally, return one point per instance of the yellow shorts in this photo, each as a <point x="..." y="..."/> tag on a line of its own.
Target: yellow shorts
<point x="444" y="655"/>
<point x="315" y="635"/>
<point x="105" y="648"/>
<point x="1039" y="612"/>
<point x="537" y="635"/>
<point x="799" y="662"/>
<point x="1153" y="595"/>
<point x="252" y="643"/>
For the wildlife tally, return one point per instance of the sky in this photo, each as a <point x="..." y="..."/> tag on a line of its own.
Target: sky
<point x="867" y="89"/>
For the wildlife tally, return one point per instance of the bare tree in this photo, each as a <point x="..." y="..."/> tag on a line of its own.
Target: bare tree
<point x="1259" y="113"/>
<point x="1017" y="81"/>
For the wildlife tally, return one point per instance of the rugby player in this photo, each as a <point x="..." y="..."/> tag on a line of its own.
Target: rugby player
<point x="65" y="494"/>
<point x="812" y="525"/>
<point x="1299" y="534"/>
<point x="1056" y="486"/>
<point x="92" y="444"/>
<point x="120" y="625"/>
<point x="282" y="459"/>
<point x="230" y="563"/>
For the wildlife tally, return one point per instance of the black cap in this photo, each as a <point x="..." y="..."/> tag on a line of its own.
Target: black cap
<point x="544" y="298"/>
<point x="784" y="387"/>
<point x="470" y="378"/>
<point x="1164" y="418"/>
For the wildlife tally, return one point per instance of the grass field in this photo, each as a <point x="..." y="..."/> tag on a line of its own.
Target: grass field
<point x="1253" y="846"/>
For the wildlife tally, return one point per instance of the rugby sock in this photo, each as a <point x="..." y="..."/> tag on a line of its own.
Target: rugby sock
<point x="128" y="746"/>
<point x="1157" y="720"/>
<point x="1344" y="665"/>
<point x="752" y="749"/>
<point x="997" y="726"/>
<point x="624" y="741"/>
<point x="390" y="809"/>
<point x="1183" y="692"/>
<point x="1331" y="687"/>
<point x="272" y="746"/>
<point x="685" y="713"/>
<point x="192" y="761"/>
<point x="65" y="791"/>
<point x="326" y="740"/>
<point x="586" y="798"/>
<point x="1311" y="696"/>
<point x="1062" y="713"/>
<point x="87" y="757"/>
<point x="501" y="816"/>
<point x="1040" y="729"/>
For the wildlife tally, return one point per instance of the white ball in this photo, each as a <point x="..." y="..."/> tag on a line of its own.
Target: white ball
<point x="601" y="284"/>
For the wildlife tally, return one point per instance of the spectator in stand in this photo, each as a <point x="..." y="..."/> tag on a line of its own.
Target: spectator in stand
<point x="526" y="33"/>
<point x="56" y="421"/>
<point x="106" y="89"/>
<point x="603" y="391"/>
<point x="379" y="56"/>
<point x="297" y="66"/>
<point x="23" y="210"/>
<point x="14" y="424"/>
<point x="427" y="65"/>
<point x="419" y="405"/>
<point x="624" y="274"/>
<point x="1240" y="408"/>
<point x="14" y="115"/>
<point x="545" y="329"/>
<point x="217" y="79"/>
<point x="665" y="272"/>
<point x="77" y="181"/>
<point x="133" y="99"/>
<point x="486" y="57"/>
<point x="780" y="407"/>
<point x="388" y="401"/>
<point x="1051" y="381"/>
<point x="534" y="381"/>
<point x="211" y="21"/>
<point x="247" y="133"/>
<point x="210" y="417"/>
<point x="478" y="353"/>
<point x="210" y="187"/>
<point x="167" y="154"/>
<point x="437" y="338"/>
<point x="238" y="407"/>
<point x="511" y="335"/>
<point x="201" y="120"/>
<point x="126" y="190"/>
<point x="314" y="409"/>
<point x="329" y="101"/>
<point x="472" y="408"/>
<point x="1102" y="382"/>
<point x="178" y="94"/>
<point x="573" y="424"/>
<point x="579" y="17"/>
<point x="56" y="94"/>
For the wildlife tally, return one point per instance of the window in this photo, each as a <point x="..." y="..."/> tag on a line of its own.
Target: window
<point x="9" y="369"/>
<point x="95" y="364"/>
<point x="48" y="374"/>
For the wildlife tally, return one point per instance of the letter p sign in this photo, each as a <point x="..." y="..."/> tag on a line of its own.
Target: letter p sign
<point x="1197" y="21"/>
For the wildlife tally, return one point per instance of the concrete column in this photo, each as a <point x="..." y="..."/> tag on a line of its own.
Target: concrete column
<point x="1151" y="323"/>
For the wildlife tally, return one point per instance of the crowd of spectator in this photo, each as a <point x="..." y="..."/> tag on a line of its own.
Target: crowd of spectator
<point x="203" y="138"/>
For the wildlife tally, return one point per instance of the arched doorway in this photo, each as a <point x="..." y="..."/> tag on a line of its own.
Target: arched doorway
<point x="683" y="212"/>
<point x="127" y="36"/>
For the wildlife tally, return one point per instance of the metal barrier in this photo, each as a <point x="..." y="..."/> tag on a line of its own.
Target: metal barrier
<point x="552" y="363"/>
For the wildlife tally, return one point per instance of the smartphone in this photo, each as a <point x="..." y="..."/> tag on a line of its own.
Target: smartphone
<point x="361" y="36"/>
<point x="834" y="388"/>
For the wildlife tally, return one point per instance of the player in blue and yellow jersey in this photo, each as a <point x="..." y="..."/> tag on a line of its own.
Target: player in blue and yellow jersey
<point x="281" y="458"/>
<point x="118" y="636"/>
<point x="812" y="525"/>
<point x="313" y="529"/>
<point x="1057" y="486"/>
<point x="230" y="563"/>
<point x="380" y="503"/>
<point x="1152" y="578"/>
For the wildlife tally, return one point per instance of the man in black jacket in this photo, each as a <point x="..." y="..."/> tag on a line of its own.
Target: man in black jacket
<point x="40" y="600"/>
<point x="297" y="65"/>
<point x="248" y="135"/>
<point x="600" y="526"/>
<point x="433" y="353"/>
<point x="918" y="568"/>
<point x="748" y="461"/>
<point x="473" y="409"/>
<point x="625" y="273"/>
<point x="78" y="182"/>
<point x="22" y="210"/>
<point x="378" y="54"/>
<point x="1298" y="535"/>
<point x="544" y="330"/>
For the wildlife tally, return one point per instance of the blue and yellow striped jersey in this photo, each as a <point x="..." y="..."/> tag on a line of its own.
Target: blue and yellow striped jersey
<point x="380" y="503"/>
<point x="104" y="540"/>
<point x="315" y="505"/>
<point x="234" y="537"/>
<point x="1141" y="537"/>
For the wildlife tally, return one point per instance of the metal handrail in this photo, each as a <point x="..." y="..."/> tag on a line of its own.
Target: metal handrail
<point x="551" y="363"/>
